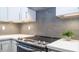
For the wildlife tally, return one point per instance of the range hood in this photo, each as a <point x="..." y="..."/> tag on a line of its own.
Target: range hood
<point x="69" y="15"/>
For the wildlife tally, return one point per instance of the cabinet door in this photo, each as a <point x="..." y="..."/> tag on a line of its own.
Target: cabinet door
<point x="13" y="13"/>
<point x="14" y="46"/>
<point x="6" y="46"/>
<point x="65" y="10"/>
<point x="3" y="13"/>
<point x="31" y="15"/>
<point x="23" y="13"/>
<point x="0" y="46"/>
<point x="28" y="14"/>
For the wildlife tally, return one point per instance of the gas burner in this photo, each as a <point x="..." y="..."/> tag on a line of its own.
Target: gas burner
<point x="36" y="41"/>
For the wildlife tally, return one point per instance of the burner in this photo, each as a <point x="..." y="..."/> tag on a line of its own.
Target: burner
<point x="37" y="42"/>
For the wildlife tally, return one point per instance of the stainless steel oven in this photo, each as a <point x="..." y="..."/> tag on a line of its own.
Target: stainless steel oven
<point x="25" y="47"/>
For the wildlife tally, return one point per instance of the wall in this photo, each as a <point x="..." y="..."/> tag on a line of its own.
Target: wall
<point x="13" y="28"/>
<point x="10" y="28"/>
<point x="49" y="25"/>
<point x="71" y="24"/>
<point x="25" y="30"/>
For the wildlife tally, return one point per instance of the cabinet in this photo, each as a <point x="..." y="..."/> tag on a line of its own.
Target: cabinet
<point x="3" y="13"/>
<point x="17" y="14"/>
<point x="8" y="46"/>
<point x="28" y="15"/>
<point x="13" y="46"/>
<point x="0" y="46"/>
<point x="31" y="15"/>
<point x="65" y="10"/>
<point x="13" y="13"/>
<point x="5" y="46"/>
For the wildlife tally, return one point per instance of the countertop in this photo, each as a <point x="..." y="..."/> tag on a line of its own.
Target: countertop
<point x="14" y="36"/>
<point x="65" y="46"/>
<point x="61" y="44"/>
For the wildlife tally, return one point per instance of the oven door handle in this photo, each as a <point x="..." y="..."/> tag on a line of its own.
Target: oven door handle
<point x="25" y="48"/>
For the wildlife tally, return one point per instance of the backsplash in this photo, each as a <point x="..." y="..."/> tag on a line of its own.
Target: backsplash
<point x="8" y="28"/>
<point x="28" y="28"/>
<point x="49" y="25"/>
<point x="20" y="28"/>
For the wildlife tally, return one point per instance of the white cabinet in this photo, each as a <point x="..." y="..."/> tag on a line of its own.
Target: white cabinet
<point x="0" y="46"/>
<point x="28" y="15"/>
<point x="9" y="13"/>
<point x="8" y="46"/>
<point x="14" y="46"/>
<point x="65" y="10"/>
<point x="3" y="13"/>
<point x="23" y="13"/>
<point x="13" y="13"/>
<point x="31" y="15"/>
<point x="17" y="14"/>
<point x="5" y="46"/>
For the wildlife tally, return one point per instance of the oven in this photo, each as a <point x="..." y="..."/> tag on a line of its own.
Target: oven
<point x="25" y="47"/>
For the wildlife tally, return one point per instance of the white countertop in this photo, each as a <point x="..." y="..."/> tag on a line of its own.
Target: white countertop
<point x="60" y="44"/>
<point x="14" y="36"/>
<point x="64" y="45"/>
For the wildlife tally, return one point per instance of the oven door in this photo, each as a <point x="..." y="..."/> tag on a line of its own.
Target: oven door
<point x="25" y="47"/>
<point x="21" y="48"/>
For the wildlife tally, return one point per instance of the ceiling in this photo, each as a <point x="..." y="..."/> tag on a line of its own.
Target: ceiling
<point x="39" y="8"/>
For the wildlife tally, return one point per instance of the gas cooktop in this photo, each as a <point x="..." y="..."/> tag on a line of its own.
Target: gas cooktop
<point x="36" y="42"/>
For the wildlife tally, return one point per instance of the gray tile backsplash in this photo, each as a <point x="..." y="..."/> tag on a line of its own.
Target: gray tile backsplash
<point x="49" y="25"/>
